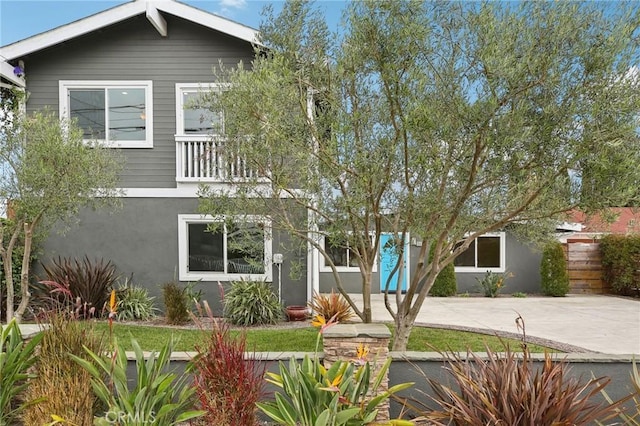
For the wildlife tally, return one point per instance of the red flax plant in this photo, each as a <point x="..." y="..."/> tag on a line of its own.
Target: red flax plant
<point x="508" y="389"/>
<point x="228" y="385"/>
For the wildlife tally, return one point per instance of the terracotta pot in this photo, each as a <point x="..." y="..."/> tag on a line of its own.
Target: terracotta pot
<point x="297" y="313"/>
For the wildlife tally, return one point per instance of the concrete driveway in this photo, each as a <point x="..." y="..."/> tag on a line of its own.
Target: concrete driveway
<point x="604" y="324"/>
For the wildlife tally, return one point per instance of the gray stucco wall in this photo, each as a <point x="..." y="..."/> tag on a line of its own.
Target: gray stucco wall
<point x="134" y="50"/>
<point x="417" y="366"/>
<point x="581" y="367"/>
<point x="351" y="281"/>
<point x="142" y="239"/>
<point x="522" y="260"/>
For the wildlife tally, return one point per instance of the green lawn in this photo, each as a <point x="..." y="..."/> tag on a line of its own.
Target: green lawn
<point x="304" y="339"/>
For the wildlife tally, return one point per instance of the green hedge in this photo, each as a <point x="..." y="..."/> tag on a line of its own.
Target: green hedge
<point x="445" y="284"/>
<point x="621" y="262"/>
<point x="554" y="277"/>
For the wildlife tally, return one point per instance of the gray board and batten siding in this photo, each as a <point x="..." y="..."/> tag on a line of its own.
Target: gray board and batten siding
<point x="133" y="50"/>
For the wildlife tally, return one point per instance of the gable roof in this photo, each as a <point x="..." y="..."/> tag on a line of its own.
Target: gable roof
<point x="620" y="220"/>
<point x="151" y="8"/>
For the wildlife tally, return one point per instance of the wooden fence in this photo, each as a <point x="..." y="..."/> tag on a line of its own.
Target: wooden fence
<point x="584" y="263"/>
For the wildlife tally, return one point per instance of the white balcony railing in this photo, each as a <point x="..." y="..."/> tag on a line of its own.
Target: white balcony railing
<point x="203" y="158"/>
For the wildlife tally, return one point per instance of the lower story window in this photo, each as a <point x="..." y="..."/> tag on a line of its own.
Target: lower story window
<point x="341" y="254"/>
<point x="486" y="253"/>
<point x="224" y="249"/>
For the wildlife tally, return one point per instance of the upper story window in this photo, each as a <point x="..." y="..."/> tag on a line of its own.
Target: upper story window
<point x="486" y="253"/>
<point x="236" y="249"/>
<point x="118" y="113"/>
<point x="192" y="118"/>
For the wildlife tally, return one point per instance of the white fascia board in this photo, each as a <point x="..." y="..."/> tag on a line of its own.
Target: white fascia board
<point x="209" y="20"/>
<point x="123" y="12"/>
<point x="570" y="226"/>
<point x="156" y="19"/>
<point x="185" y="191"/>
<point x="6" y="72"/>
<point x="73" y="30"/>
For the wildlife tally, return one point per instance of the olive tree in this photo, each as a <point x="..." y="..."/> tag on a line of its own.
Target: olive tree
<point x="48" y="174"/>
<point x="439" y="120"/>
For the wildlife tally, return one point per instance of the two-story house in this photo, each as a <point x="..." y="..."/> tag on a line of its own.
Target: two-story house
<point x="129" y="76"/>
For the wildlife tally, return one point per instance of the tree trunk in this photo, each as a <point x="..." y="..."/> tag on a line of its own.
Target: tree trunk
<point x="24" y="276"/>
<point x="7" y="259"/>
<point x="366" y="298"/>
<point x="408" y="311"/>
<point x="404" y="325"/>
<point x="8" y="266"/>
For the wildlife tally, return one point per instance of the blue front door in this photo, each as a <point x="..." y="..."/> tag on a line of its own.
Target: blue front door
<point x="388" y="261"/>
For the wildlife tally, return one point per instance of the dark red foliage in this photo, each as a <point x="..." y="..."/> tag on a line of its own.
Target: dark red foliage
<point x="227" y="383"/>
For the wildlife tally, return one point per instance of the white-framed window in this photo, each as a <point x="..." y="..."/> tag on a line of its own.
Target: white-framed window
<point x="486" y="253"/>
<point x="191" y="117"/>
<point x="236" y="249"/>
<point x="342" y="256"/>
<point x="116" y="113"/>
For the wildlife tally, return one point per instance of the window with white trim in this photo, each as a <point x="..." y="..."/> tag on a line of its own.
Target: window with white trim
<point x="233" y="250"/>
<point x="116" y="113"/>
<point x="339" y="251"/>
<point x="192" y="118"/>
<point x="486" y="253"/>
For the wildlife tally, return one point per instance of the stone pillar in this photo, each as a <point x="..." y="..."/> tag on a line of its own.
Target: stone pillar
<point x="341" y="342"/>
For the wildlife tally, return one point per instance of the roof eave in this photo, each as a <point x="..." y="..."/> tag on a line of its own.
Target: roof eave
<point x="209" y="20"/>
<point x="120" y="13"/>
<point x="72" y="30"/>
<point x="6" y="72"/>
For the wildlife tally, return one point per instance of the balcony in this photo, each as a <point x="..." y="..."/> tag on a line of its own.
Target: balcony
<point x="203" y="158"/>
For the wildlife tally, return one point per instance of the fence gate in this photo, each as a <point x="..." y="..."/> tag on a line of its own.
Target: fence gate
<point x="584" y="263"/>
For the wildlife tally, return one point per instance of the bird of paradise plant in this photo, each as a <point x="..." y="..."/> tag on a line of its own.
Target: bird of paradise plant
<point x="112" y="312"/>
<point x="322" y="324"/>
<point x="312" y="395"/>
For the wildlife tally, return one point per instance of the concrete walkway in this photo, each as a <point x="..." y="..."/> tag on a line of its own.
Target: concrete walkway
<point x="604" y="324"/>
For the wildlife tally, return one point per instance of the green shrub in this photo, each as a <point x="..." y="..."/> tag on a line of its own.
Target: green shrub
<point x="134" y="303"/>
<point x="344" y="394"/>
<point x="64" y="389"/>
<point x="554" y="278"/>
<point x="176" y="303"/>
<point x="445" y="284"/>
<point x="251" y="303"/>
<point x="160" y="396"/>
<point x="16" y="359"/>
<point x="492" y="283"/>
<point x="620" y="260"/>
<point x="86" y="280"/>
